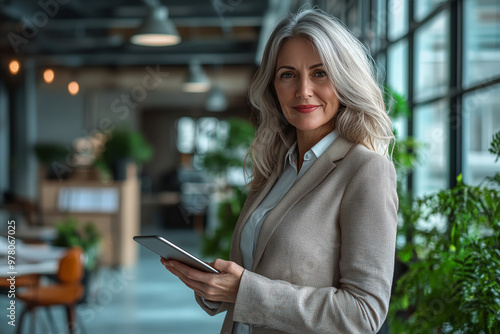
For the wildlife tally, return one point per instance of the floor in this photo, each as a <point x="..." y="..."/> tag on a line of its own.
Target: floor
<point x="145" y="298"/>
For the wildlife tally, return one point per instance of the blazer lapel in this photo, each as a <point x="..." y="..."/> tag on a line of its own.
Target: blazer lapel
<point x="252" y="202"/>
<point x="310" y="180"/>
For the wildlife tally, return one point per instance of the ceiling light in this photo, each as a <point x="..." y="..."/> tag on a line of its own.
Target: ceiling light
<point x="157" y="29"/>
<point x="48" y="75"/>
<point x="73" y="88"/>
<point x="216" y="101"/>
<point x="197" y="81"/>
<point x="14" y="66"/>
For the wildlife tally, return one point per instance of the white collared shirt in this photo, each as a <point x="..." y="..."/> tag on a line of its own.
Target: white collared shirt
<point x="250" y="232"/>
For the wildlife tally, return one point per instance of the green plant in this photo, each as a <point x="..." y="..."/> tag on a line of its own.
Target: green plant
<point x="495" y="146"/>
<point x="231" y="153"/>
<point x="453" y="280"/>
<point x="125" y="143"/>
<point x="405" y="152"/>
<point x="70" y="233"/>
<point x="48" y="153"/>
<point x="218" y="244"/>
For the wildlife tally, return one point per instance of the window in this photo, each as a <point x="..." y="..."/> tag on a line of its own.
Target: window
<point x="481" y="41"/>
<point x="353" y="20"/>
<point x="416" y="49"/>
<point x="397" y="78"/>
<point x="481" y="120"/>
<point x="397" y="73"/>
<point x="378" y="24"/>
<point x="200" y="136"/>
<point x="430" y="125"/>
<point x="431" y="58"/>
<point x="380" y="64"/>
<point x="425" y="7"/>
<point x="206" y="134"/>
<point x="186" y="135"/>
<point x="398" y="18"/>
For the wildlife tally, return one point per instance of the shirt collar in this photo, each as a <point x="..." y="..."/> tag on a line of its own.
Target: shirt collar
<point x="324" y="143"/>
<point x="315" y="152"/>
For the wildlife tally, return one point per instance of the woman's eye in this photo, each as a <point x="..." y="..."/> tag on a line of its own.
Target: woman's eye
<point x="320" y="74"/>
<point x="286" y="75"/>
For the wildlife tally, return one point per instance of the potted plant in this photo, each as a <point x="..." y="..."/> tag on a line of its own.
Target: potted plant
<point x="71" y="233"/>
<point x="452" y="284"/>
<point x="122" y="146"/>
<point x="231" y="154"/>
<point x="51" y="156"/>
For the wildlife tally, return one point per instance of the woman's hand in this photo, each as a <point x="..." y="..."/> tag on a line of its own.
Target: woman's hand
<point x="222" y="287"/>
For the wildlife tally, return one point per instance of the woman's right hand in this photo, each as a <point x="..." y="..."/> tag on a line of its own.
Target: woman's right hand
<point x="222" y="287"/>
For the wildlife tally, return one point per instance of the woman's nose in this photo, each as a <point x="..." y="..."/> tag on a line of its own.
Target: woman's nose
<point x="304" y="89"/>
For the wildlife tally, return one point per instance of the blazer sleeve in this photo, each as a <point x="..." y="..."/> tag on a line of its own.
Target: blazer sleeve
<point x="213" y="308"/>
<point x="368" y="224"/>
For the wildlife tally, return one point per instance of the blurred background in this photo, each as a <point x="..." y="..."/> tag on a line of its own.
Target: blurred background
<point x="126" y="117"/>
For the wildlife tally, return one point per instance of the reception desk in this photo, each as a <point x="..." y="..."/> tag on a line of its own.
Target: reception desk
<point x="114" y="208"/>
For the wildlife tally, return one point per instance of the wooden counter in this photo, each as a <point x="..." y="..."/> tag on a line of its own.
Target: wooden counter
<point x="118" y="222"/>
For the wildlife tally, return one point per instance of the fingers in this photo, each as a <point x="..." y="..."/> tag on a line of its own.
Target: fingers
<point x="228" y="267"/>
<point x="215" y="287"/>
<point x="192" y="278"/>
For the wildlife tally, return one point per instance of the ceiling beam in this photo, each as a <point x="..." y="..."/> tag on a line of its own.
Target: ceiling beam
<point x="105" y="23"/>
<point x="113" y="59"/>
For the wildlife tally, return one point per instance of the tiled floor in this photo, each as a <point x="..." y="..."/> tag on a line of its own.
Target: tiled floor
<point x="144" y="299"/>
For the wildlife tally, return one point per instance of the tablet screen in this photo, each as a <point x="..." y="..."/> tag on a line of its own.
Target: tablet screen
<point x="170" y="251"/>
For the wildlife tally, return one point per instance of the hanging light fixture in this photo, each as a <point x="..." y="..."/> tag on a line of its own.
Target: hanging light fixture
<point x="48" y="75"/>
<point x="157" y="29"/>
<point x="197" y="81"/>
<point x="216" y="101"/>
<point x="14" y="67"/>
<point x="73" y="87"/>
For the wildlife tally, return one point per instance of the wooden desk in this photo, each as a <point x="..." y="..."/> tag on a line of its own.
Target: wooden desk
<point x="117" y="227"/>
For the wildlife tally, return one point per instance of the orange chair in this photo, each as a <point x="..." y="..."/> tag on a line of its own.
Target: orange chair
<point x="29" y="281"/>
<point x="67" y="292"/>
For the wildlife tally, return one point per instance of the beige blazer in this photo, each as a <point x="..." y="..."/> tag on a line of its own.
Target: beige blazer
<point x="324" y="258"/>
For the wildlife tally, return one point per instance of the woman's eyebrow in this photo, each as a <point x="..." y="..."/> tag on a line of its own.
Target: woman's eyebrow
<point x="293" y="68"/>
<point x="317" y="65"/>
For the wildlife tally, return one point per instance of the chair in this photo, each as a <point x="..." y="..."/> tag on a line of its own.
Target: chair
<point x="67" y="292"/>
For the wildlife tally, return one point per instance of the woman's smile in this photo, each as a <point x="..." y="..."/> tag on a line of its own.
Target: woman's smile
<point x="306" y="108"/>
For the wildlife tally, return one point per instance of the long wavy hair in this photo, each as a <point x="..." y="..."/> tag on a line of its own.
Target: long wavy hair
<point x="361" y="118"/>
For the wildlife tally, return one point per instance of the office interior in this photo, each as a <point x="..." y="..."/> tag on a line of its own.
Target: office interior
<point x="74" y="72"/>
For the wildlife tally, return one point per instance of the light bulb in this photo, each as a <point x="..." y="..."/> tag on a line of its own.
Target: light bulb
<point x="73" y="87"/>
<point x="48" y="75"/>
<point x="14" y="67"/>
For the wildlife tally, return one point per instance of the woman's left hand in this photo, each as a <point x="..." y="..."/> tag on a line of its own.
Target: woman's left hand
<point x="222" y="287"/>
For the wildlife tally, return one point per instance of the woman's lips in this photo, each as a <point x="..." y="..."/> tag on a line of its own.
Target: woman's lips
<point x="306" y="108"/>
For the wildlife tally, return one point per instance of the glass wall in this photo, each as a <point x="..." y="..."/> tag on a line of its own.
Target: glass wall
<point x="432" y="58"/>
<point x="397" y="13"/>
<point x="444" y="57"/>
<point x="481" y="24"/>
<point x="397" y="76"/>
<point x="430" y="128"/>
<point x="481" y="119"/>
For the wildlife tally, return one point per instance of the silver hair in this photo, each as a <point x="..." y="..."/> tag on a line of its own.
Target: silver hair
<point x="362" y="117"/>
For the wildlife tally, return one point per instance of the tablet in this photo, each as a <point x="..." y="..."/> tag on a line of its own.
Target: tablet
<point x="170" y="251"/>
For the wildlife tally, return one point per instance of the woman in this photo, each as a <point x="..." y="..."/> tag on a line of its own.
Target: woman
<point x="313" y="249"/>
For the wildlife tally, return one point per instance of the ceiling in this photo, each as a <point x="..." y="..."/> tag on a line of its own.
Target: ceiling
<point x="78" y="33"/>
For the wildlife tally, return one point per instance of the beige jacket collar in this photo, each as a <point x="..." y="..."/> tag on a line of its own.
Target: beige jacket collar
<point x="314" y="176"/>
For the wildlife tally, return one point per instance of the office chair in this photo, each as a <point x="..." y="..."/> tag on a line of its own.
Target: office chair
<point x="67" y="292"/>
